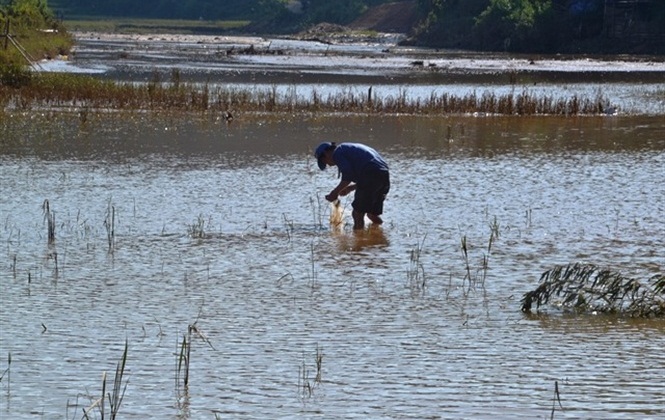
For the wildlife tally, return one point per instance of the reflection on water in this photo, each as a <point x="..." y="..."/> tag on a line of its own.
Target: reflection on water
<point x="268" y="281"/>
<point x="356" y="241"/>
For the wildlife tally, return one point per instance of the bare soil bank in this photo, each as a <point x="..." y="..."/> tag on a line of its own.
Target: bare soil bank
<point x="398" y="17"/>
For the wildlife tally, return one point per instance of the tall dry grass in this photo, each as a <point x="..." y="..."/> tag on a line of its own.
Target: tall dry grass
<point x="63" y="91"/>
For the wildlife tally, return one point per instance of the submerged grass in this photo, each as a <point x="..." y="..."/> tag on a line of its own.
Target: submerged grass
<point x="76" y="92"/>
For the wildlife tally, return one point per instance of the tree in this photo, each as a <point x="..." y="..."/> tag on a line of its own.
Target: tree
<point x="513" y="24"/>
<point x="30" y="12"/>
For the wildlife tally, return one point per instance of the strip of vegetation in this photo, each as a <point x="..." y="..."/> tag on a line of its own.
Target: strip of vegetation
<point x="67" y="91"/>
<point x="151" y="26"/>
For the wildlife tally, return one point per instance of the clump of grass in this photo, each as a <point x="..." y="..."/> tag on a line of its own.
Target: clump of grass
<point x="586" y="288"/>
<point x="479" y="275"/>
<point x="183" y="355"/>
<point x="415" y="274"/>
<point x="197" y="229"/>
<point x="115" y="395"/>
<point x="306" y="386"/>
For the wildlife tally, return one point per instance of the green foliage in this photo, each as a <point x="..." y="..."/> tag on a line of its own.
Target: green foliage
<point x="13" y="74"/>
<point x="165" y="9"/>
<point x="586" y="288"/>
<point x="35" y="34"/>
<point x="31" y="13"/>
<point x="448" y="23"/>
<point x="517" y="25"/>
<point x="544" y="26"/>
<point x="339" y="11"/>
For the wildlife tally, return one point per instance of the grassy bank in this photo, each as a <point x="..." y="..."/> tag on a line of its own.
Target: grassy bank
<point x="29" y="33"/>
<point x="146" y="26"/>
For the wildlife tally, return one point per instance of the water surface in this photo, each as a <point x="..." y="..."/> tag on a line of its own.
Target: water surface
<point x="269" y="283"/>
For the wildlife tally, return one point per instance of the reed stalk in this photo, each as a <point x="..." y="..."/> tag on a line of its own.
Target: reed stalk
<point x="305" y="385"/>
<point x="109" y="224"/>
<point x="556" y="398"/>
<point x="319" y="364"/>
<point x="313" y="267"/>
<point x="49" y="217"/>
<point x="7" y="371"/>
<point x="183" y="355"/>
<point x="465" y="256"/>
<point x="494" y="235"/>
<point x="116" y="393"/>
<point x="181" y="361"/>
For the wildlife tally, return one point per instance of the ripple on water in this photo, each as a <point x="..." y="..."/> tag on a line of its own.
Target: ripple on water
<point x="402" y="331"/>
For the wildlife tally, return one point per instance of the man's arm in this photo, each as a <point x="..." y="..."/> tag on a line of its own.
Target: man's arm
<point x="344" y="191"/>
<point x="339" y="189"/>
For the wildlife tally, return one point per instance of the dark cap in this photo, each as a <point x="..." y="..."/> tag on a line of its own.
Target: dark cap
<point x="320" y="150"/>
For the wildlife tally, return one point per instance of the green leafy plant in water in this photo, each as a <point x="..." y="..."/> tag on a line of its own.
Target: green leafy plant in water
<point x="587" y="288"/>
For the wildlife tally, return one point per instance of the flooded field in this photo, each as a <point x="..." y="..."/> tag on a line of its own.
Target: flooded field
<point x="224" y="227"/>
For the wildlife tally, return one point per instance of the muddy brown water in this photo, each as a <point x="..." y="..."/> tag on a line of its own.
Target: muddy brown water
<point x="269" y="284"/>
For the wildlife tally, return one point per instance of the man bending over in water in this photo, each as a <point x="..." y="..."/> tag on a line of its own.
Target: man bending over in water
<point x="363" y="170"/>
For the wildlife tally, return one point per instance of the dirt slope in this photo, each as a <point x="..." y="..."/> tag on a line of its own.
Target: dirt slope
<point x="397" y="17"/>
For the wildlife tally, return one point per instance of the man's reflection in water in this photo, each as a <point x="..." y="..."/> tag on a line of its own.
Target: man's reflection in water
<point x="358" y="240"/>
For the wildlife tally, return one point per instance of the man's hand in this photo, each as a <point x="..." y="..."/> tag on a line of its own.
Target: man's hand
<point x="331" y="197"/>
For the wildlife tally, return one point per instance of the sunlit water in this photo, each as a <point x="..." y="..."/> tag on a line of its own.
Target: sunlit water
<point x="402" y="333"/>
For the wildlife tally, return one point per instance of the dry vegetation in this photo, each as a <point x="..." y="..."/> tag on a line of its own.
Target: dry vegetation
<point x="73" y="92"/>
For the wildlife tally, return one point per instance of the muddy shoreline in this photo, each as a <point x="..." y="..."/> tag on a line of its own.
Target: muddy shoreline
<point x="379" y="59"/>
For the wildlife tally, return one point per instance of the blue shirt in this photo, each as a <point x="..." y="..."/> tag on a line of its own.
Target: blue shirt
<point x="355" y="161"/>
